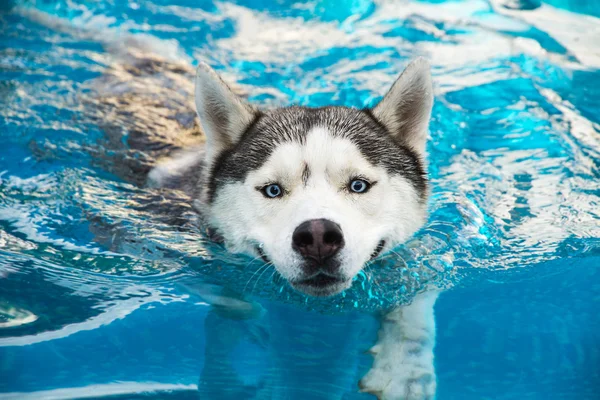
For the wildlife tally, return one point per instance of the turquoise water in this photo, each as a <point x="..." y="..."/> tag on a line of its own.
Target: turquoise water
<point x="101" y="297"/>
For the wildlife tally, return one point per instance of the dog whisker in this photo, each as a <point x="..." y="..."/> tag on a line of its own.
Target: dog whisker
<point x="370" y="274"/>
<point x="260" y="276"/>
<point x="255" y="272"/>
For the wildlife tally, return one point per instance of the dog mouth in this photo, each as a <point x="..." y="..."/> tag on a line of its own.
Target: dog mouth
<point x="320" y="281"/>
<point x="262" y="254"/>
<point x="378" y="249"/>
<point x="321" y="285"/>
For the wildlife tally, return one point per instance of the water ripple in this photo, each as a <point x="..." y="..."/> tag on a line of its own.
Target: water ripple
<point x="515" y="140"/>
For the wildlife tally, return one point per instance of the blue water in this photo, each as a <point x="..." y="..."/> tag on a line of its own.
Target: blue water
<point x="100" y="298"/>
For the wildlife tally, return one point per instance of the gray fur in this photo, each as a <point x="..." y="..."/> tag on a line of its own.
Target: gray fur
<point x="240" y="138"/>
<point x="293" y="123"/>
<point x="406" y="109"/>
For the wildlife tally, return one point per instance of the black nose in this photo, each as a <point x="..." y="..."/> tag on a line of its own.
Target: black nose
<point x="318" y="240"/>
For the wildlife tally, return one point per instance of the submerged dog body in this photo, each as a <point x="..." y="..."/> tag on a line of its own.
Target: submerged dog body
<point x="318" y="193"/>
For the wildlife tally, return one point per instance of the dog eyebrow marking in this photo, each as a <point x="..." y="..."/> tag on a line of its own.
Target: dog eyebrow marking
<point x="305" y="174"/>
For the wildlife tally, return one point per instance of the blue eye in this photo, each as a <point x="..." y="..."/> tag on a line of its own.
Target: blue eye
<point x="359" y="186"/>
<point x="272" y="191"/>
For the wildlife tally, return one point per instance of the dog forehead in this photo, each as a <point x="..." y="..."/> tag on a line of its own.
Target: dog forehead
<point x="295" y="122"/>
<point x="296" y="125"/>
<point x="275" y="128"/>
<point x="280" y="127"/>
<point x="320" y="152"/>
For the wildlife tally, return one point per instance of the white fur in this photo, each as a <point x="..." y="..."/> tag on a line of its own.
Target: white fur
<point x="178" y="164"/>
<point x="390" y="210"/>
<point x="403" y="366"/>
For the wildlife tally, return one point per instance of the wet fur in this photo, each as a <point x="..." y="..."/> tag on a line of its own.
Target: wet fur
<point x="234" y="143"/>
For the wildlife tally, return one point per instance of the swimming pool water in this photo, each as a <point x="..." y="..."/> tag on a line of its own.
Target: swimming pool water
<point x="100" y="297"/>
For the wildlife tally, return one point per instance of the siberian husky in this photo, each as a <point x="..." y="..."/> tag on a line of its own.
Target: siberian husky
<point x="317" y="193"/>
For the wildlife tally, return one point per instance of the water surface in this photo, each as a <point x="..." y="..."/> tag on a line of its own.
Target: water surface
<point x="102" y="295"/>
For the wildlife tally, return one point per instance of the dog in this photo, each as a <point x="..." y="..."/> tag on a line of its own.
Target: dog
<point x="317" y="193"/>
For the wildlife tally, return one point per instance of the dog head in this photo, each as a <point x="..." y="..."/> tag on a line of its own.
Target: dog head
<point x="316" y="192"/>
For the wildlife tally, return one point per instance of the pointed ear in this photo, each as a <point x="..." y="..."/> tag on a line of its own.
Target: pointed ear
<point x="406" y="108"/>
<point x="223" y="115"/>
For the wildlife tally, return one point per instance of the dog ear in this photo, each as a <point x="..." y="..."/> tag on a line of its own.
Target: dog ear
<point x="223" y="115"/>
<point x="406" y="108"/>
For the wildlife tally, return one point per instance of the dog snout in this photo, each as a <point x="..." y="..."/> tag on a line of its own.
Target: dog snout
<point x="318" y="240"/>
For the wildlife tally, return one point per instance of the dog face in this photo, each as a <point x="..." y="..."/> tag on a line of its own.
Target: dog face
<point x="316" y="192"/>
